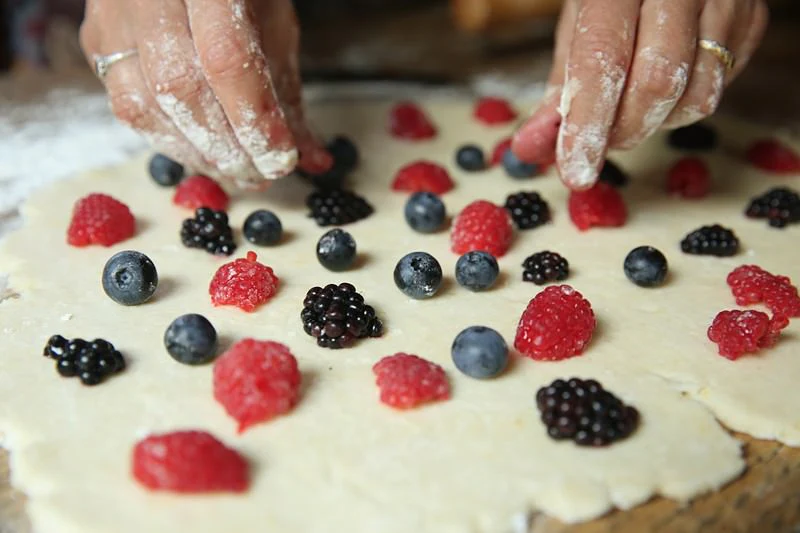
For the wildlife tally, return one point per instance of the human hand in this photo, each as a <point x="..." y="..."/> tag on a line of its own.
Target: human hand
<point x="625" y="68"/>
<point x="215" y="83"/>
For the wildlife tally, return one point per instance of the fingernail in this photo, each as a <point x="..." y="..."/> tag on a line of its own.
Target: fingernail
<point x="579" y="154"/>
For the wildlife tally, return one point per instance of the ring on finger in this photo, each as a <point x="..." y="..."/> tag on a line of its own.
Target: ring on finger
<point x="103" y="63"/>
<point x="720" y="51"/>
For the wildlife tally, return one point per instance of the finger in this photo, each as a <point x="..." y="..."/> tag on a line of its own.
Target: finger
<point x="169" y="65"/>
<point x="535" y="140"/>
<point x="281" y="36"/>
<point x="704" y="91"/>
<point x="239" y="74"/>
<point x="750" y="38"/>
<point x="665" y="50"/>
<point x="599" y="58"/>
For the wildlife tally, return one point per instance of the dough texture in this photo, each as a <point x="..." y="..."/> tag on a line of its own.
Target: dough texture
<point x="342" y="461"/>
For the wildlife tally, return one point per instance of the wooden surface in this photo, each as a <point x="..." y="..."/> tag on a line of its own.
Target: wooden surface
<point x="766" y="499"/>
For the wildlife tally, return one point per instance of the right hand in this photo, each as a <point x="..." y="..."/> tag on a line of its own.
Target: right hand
<point x="215" y="83"/>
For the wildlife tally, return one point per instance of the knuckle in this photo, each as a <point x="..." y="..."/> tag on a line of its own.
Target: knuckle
<point x="129" y="107"/>
<point x="224" y="57"/>
<point x="604" y="48"/>
<point x="177" y="78"/>
<point x="662" y="79"/>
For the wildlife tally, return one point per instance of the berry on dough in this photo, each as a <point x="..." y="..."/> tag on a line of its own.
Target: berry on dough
<point x="408" y="121"/>
<point x="418" y="275"/>
<point x="780" y="206"/>
<point x="558" y="323"/>
<point x="92" y="362"/>
<point x="773" y="156"/>
<point x="750" y="284"/>
<point x="600" y="206"/>
<point x="425" y="212"/>
<point x="479" y="352"/>
<point x="528" y="210"/>
<point x="516" y="168"/>
<point x="482" y="226"/>
<point x="422" y="176"/>
<point x="470" y="158"/>
<point x="407" y="381"/>
<point x="245" y="283"/>
<point x="337" y="315"/>
<point x="165" y="171"/>
<point x="208" y="230"/>
<point x="612" y="174"/>
<point x="645" y="266"/>
<point x="100" y="219"/>
<point x="544" y="267"/>
<point x="737" y="333"/>
<point x="200" y="191"/>
<point x="256" y="381"/>
<point x="689" y="178"/>
<point x="696" y="137"/>
<point x="191" y="462"/>
<point x="191" y="339"/>
<point x="336" y="250"/>
<point x="262" y="228"/>
<point x="499" y="150"/>
<point x="477" y="271"/>
<point x="711" y="240"/>
<point x="492" y="111"/>
<point x="337" y="207"/>
<point x="130" y="278"/>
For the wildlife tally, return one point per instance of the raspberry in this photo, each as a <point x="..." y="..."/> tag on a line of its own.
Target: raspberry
<point x="100" y="219"/>
<point x="407" y="381"/>
<point x="751" y="284"/>
<point x="256" y="381"/>
<point x="499" y="150"/>
<point x="739" y="332"/>
<point x="558" y="323"/>
<point x="422" y="176"/>
<point x="689" y="177"/>
<point x="189" y="462"/>
<point x="482" y="226"/>
<point x="493" y="111"/>
<point x="600" y="206"/>
<point x="773" y="156"/>
<point x="199" y="191"/>
<point x="408" y="121"/>
<point x="245" y="283"/>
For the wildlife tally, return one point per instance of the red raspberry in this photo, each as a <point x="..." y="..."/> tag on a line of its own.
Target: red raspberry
<point x="739" y="332"/>
<point x="408" y="121"/>
<point x="558" y="323"/>
<point x="689" y="177"/>
<point x="499" y="149"/>
<point x="245" y="283"/>
<point x="407" y="381"/>
<point x="256" y="381"/>
<point x="493" y="111"/>
<point x="600" y="206"/>
<point x="482" y="226"/>
<point x="773" y="156"/>
<point x="189" y="462"/>
<point x="422" y="176"/>
<point x="200" y="191"/>
<point x="751" y="284"/>
<point x="100" y="219"/>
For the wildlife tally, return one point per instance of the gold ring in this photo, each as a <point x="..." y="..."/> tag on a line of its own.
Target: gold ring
<point x="718" y="49"/>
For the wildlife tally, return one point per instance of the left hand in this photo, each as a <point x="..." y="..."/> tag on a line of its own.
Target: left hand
<point x="625" y="68"/>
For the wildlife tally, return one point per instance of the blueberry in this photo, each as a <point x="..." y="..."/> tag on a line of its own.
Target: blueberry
<point x="645" y="266"/>
<point x="470" y="158"/>
<point x="262" y="228"/>
<point x="165" y="171"/>
<point x="612" y="174"/>
<point x="130" y="278"/>
<point x="516" y="168"/>
<point x="191" y="340"/>
<point x="418" y="275"/>
<point x="336" y="250"/>
<point x="344" y="153"/>
<point x="425" y="212"/>
<point x="480" y="352"/>
<point x="477" y="271"/>
<point x="694" y="137"/>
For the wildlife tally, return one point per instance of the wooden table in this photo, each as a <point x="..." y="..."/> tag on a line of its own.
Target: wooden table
<point x="766" y="499"/>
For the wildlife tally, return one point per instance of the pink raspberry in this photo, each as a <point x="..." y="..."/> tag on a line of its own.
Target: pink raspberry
<point x="600" y="206"/>
<point x="558" y="323"/>
<point x="199" y="191"/>
<point x="189" y="462"/>
<point x="740" y="332"/>
<point x="689" y="178"/>
<point x="256" y="381"/>
<point x="100" y="219"/>
<point x="773" y="156"/>
<point x="245" y="283"/>
<point x="422" y="176"/>
<point x="407" y="381"/>
<point x="493" y="111"/>
<point x="408" y="121"/>
<point x="750" y="284"/>
<point x="482" y="226"/>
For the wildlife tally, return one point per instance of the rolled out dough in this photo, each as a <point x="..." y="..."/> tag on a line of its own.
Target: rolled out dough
<point x="342" y="461"/>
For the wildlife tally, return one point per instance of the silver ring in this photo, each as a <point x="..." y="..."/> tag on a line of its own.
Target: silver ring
<point x="102" y="64"/>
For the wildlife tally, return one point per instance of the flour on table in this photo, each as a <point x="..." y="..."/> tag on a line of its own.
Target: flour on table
<point x="342" y="460"/>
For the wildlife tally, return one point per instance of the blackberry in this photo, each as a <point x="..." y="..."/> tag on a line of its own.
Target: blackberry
<point x="336" y="207"/>
<point x="543" y="267"/>
<point x="336" y="316"/>
<point x="695" y="137"/>
<point x="711" y="240"/>
<point x="613" y="175"/>
<point x="780" y="206"/>
<point x="208" y="230"/>
<point x="92" y="362"/>
<point x="584" y="412"/>
<point x="527" y="209"/>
